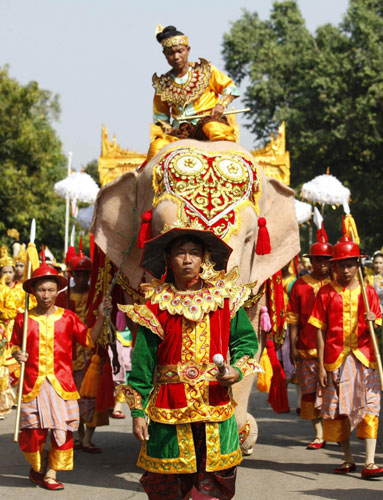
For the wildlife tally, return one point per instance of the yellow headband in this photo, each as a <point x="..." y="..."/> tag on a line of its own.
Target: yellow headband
<point x="173" y="40"/>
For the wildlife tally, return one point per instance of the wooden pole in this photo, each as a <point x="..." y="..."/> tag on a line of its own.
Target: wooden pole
<point x="24" y="341"/>
<point x="370" y="323"/>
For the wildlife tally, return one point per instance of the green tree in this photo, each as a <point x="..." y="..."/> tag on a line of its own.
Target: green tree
<point x="31" y="161"/>
<point x="328" y="87"/>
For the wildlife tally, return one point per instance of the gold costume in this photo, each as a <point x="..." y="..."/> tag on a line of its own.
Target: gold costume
<point x="198" y="92"/>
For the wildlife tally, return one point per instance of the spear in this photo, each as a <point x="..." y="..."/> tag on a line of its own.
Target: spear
<point x="25" y="331"/>
<point x="351" y="230"/>
<point x="226" y="113"/>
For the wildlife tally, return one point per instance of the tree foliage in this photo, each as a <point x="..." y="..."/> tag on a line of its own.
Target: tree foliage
<point x="31" y="161"/>
<point x="328" y="88"/>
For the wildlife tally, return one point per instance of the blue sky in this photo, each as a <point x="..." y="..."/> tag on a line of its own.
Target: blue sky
<point x="99" y="56"/>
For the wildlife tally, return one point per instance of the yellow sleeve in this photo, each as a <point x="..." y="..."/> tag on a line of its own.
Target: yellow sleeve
<point x="8" y="307"/>
<point x="221" y="83"/>
<point x="161" y="110"/>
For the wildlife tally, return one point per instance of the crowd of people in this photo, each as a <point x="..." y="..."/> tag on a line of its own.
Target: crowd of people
<point x="172" y="378"/>
<point x="192" y="337"/>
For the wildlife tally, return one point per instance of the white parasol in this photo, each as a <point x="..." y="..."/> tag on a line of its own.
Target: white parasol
<point x="85" y="216"/>
<point x="303" y="211"/>
<point x="325" y="189"/>
<point x="78" y="186"/>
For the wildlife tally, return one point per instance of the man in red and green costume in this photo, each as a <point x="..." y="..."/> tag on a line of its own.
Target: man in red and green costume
<point x="348" y="372"/>
<point x="303" y="335"/>
<point x="191" y="445"/>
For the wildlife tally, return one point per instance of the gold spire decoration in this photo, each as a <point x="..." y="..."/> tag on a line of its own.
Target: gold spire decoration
<point x="274" y="159"/>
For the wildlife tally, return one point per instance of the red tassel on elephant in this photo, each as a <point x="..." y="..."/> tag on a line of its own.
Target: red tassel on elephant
<point x="263" y="241"/>
<point x="278" y="389"/>
<point x="145" y="233"/>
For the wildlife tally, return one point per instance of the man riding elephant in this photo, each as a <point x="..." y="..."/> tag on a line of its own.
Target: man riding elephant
<point x="189" y="89"/>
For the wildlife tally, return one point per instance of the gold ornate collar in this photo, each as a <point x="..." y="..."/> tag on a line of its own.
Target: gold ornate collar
<point x="176" y="94"/>
<point x="194" y="304"/>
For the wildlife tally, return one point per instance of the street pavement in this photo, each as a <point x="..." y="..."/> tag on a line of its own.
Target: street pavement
<point x="280" y="467"/>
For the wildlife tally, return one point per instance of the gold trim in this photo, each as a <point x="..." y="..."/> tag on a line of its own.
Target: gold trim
<point x="214" y="459"/>
<point x="195" y="351"/>
<point x="248" y="366"/>
<point x="195" y="304"/>
<point x="175" y="40"/>
<point x="292" y="318"/>
<point x="46" y="355"/>
<point x="186" y="462"/>
<point x="308" y="353"/>
<point x="132" y="397"/>
<point x="180" y="95"/>
<point x="61" y="459"/>
<point x="317" y="323"/>
<point x="141" y="314"/>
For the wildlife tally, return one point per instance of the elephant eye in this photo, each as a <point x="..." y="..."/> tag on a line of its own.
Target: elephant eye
<point x="248" y="239"/>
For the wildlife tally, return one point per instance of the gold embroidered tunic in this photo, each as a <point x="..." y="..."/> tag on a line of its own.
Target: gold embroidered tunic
<point x="179" y="333"/>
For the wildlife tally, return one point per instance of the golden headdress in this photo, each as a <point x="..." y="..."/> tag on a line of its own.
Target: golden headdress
<point x="5" y="259"/>
<point x="170" y="37"/>
<point x="22" y="255"/>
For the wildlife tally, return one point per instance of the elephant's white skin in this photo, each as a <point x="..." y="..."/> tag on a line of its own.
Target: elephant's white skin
<point x="117" y="218"/>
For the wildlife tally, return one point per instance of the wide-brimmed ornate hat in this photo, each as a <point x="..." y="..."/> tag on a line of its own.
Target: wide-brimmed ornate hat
<point x="44" y="271"/>
<point x="154" y="261"/>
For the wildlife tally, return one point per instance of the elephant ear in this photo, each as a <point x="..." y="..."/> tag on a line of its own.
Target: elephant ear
<point x="277" y="206"/>
<point x="115" y="223"/>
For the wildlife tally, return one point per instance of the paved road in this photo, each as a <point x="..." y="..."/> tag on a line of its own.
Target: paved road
<point x="280" y="467"/>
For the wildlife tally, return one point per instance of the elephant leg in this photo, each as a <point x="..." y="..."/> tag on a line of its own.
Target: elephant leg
<point x="246" y="426"/>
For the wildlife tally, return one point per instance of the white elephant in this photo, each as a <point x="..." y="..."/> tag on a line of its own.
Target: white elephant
<point x="220" y="185"/>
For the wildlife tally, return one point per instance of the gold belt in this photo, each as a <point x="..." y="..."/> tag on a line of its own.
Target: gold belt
<point x="190" y="373"/>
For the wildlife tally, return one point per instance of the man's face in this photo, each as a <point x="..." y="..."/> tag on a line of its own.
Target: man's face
<point x="81" y="278"/>
<point x="177" y="57"/>
<point x="19" y="270"/>
<point x="378" y="265"/>
<point x="9" y="272"/>
<point x="185" y="261"/>
<point x="346" y="270"/>
<point x="45" y="292"/>
<point x="320" y="265"/>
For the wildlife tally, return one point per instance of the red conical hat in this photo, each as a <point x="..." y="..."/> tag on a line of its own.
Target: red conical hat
<point x="80" y="262"/>
<point x="44" y="271"/>
<point x="321" y="248"/>
<point x="345" y="248"/>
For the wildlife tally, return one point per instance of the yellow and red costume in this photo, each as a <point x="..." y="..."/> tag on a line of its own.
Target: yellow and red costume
<point x="300" y="305"/>
<point x="49" y="344"/>
<point x="179" y="333"/>
<point x="348" y="350"/>
<point x="198" y="92"/>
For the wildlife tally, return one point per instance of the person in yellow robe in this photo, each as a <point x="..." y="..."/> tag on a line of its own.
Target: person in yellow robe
<point x="188" y="89"/>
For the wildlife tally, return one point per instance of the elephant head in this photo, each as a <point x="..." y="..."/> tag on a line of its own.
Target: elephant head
<point x="217" y="184"/>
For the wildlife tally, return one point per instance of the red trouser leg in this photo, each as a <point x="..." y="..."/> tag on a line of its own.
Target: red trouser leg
<point x="32" y="444"/>
<point x="61" y="457"/>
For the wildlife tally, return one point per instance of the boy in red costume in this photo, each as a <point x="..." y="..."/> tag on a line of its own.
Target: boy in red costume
<point x="49" y="393"/>
<point x="347" y="365"/>
<point x="303" y="336"/>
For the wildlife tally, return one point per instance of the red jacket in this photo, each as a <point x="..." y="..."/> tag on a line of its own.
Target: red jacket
<point x="300" y="306"/>
<point x="341" y="314"/>
<point x="49" y="345"/>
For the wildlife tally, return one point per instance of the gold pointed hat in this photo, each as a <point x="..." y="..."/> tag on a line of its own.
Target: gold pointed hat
<point x="5" y="259"/>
